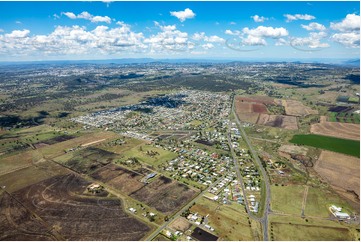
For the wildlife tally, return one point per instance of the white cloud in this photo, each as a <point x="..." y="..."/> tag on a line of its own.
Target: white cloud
<point x="230" y="32"/>
<point x="281" y="42"/>
<point x="70" y="15"/>
<point x="254" y="40"/>
<point x="74" y="40"/>
<point x="351" y="39"/>
<point x="350" y="23"/>
<point x="232" y="23"/>
<point x="170" y="38"/>
<point x="18" y="22"/>
<point x="183" y="15"/>
<point x="291" y="17"/>
<point x="88" y="16"/>
<point x="208" y="46"/>
<point x="262" y="31"/>
<point x="313" y="41"/>
<point x="259" y="19"/>
<point x="18" y="34"/>
<point x="212" y="39"/>
<point x="314" y="26"/>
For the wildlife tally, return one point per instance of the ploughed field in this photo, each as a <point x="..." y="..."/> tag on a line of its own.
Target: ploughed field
<point x="56" y="208"/>
<point x="336" y="129"/>
<point x="254" y="110"/>
<point x="164" y="194"/>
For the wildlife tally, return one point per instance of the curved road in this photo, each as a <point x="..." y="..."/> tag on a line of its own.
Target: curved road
<point x="264" y="219"/>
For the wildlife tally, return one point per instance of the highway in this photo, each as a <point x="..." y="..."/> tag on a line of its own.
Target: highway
<point x="267" y="200"/>
<point x="186" y="207"/>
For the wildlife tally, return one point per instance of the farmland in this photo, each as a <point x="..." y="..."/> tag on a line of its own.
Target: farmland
<point x="348" y="147"/>
<point x="59" y="204"/>
<point x="164" y="194"/>
<point x="341" y="171"/>
<point x="336" y="129"/>
<point x="296" y="108"/>
<point x="254" y="110"/>
<point x="120" y="178"/>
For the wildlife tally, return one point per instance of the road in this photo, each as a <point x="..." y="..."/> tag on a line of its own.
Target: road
<point x="186" y="207"/>
<point x="267" y="200"/>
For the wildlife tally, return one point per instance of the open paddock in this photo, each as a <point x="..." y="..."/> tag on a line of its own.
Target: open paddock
<point x="122" y="179"/>
<point x="278" y="121"/>
<point x="336" y="129"/>
<point x="164" y="194"/>
<point x="292" y="232"/>
<point x="60" y="203"/>
<point x="89" y="159"/>
<point x="296" y="108"/>
<point x="341" y="171"/>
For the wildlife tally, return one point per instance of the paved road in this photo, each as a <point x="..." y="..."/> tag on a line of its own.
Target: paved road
<point x="175" y="216"/>
<point x="264" y="219"/>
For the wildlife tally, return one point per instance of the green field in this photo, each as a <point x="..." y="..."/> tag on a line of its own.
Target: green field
<point x="286" y="228"/>
<point x="287" y="199"/>
<point x="344" y="146"/>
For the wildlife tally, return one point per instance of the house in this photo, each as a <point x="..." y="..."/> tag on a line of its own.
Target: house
<point x="341" y="215"/>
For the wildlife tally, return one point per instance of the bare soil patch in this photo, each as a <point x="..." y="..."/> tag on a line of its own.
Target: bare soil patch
<point x="278" y="121"/>
<point x="180" y="224"/>
<point x="164" y="194"/>
<point x="342" y="172"/>
<point x="120" y="178"/>
<point x="296" y="108"/>
<point x="60" y="203"/>
<point x="335" y="129"/>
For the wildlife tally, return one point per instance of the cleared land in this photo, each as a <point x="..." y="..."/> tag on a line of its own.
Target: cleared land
<point x="254" y="110"/>
<point x="336" y="129"/>
<point x="164" y="194"/>
<point x="287" y="199"/>
<point x="344" y="146"/>
<point x="87" y="160"/>
<point x="296" y="108"/>
<point x="180" y="224"/>
<point x="120" y="178"/>
<point x="65" y="212"/>
<point x="292" y="232"/>
<point x="278" y="121"/>
<point x="293" y="149"/>
<point x="228" y="222"/>
<point x="341" y="171"/>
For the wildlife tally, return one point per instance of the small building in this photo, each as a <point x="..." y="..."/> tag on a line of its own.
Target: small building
<point x="341" y="215"/>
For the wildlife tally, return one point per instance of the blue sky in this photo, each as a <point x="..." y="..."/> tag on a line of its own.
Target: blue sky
<point x="233" y="30"/>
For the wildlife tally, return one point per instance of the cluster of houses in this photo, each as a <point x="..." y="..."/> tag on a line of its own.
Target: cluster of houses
<point x="198" y="165"/>
<point x="169" y="112"/>
<point x="200" y="221"/>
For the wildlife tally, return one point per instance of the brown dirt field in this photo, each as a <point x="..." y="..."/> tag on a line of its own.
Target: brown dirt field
<point x="60" y="203"/>
<point x="296" y="108"/>
<point x="256" y="99"/>
<point x="341" y="171"/>
<point x="248" y="117"/>
<point x="120" y="178"/>
<point x="259" y="108"/>
<point x="164" y="194"/>
<point x="279" y="121"/>
<point x="335" y="129"/>
<point x="180" y="224"/>
<point x="243" y="107"/>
